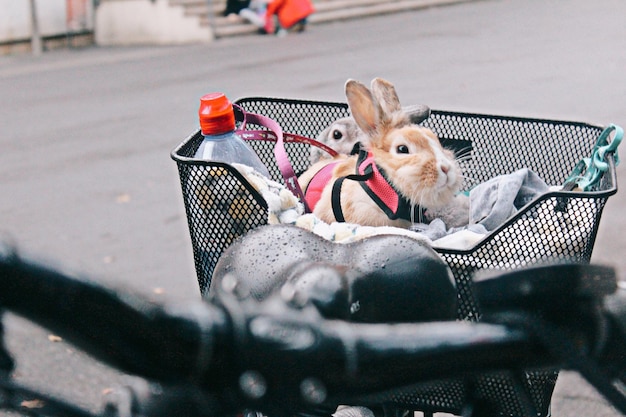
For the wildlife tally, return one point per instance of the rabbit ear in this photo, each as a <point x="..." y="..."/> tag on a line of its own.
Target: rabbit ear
<point x="364" y="109"/>
<point x="417" y="113"/>
<point x="385" y="94"/>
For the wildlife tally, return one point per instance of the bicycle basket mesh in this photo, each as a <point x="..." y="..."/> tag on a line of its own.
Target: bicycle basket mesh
<point x="221" y="206"/>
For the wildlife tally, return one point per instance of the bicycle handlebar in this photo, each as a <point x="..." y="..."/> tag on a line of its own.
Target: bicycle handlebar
<point x="126" y="331"/>
<point x="276" y="358"/>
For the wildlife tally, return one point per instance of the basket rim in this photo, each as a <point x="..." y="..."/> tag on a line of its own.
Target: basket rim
<point x="549" y="195"/>
<point x="175" y="153"/>
<point x="445" y="112"/>
<point x="291" y="101"/>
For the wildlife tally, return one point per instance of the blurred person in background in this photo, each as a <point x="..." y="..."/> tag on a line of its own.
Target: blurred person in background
<point x="255" y="13"/>
<point x="291" y="15"/>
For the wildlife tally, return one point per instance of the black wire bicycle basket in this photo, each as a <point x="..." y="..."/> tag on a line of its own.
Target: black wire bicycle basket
<point x="558" y="225"/>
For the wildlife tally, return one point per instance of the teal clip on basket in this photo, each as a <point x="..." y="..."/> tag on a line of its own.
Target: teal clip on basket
<point x="588" y="171"/>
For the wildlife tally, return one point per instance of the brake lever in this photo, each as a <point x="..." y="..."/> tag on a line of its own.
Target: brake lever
<point x="543" y="286"/>
<point x="577" y="312"/>
<point x="567" y="295"/>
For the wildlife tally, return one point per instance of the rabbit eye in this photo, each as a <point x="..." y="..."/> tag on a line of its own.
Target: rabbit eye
<point x="337" y="134"/>
<point x="402" y="149"/>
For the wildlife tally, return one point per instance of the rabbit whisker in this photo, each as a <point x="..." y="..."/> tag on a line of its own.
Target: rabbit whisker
<point x="464" y="158"/>
<point x="419" y="201"/>
<point x="468" y="150"/>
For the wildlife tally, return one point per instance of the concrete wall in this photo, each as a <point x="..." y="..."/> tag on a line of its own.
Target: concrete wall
<point x="131" y="22"/>
<point x="55" y="17"/>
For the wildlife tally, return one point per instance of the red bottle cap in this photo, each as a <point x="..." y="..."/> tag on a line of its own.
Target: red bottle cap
<point x="216" y="114"/>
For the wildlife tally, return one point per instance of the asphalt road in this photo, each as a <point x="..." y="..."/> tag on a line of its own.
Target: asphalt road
<point x="86" y="180"/>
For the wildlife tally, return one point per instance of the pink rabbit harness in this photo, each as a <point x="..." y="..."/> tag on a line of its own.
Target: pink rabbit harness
<point x="373" y="181"/>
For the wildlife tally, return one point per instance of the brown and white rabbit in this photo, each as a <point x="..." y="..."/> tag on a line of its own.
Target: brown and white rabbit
<point x="344" y="136"/>
<point x="404" y="166"/>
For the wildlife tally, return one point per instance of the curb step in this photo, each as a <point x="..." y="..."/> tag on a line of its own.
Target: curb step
<point x="326" y="11"/>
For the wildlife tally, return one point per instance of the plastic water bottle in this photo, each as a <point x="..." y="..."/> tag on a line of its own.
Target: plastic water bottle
<point x="221" y="143"/>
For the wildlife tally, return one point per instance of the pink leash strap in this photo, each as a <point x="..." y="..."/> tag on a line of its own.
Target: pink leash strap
<point x="282" y="159"/>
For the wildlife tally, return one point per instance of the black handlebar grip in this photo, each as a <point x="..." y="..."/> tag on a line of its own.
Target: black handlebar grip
<point x="125" y="331"/>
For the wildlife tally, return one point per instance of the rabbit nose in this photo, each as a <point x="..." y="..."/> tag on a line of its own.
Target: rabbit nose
<point x="444" y="168"/>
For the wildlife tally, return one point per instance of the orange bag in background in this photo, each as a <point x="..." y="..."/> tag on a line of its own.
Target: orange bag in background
<point x="289" y="13"/>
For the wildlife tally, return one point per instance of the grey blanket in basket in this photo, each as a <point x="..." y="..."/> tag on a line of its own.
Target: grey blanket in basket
<point x="492" y="203"/>
<point x="495" y="201"/>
